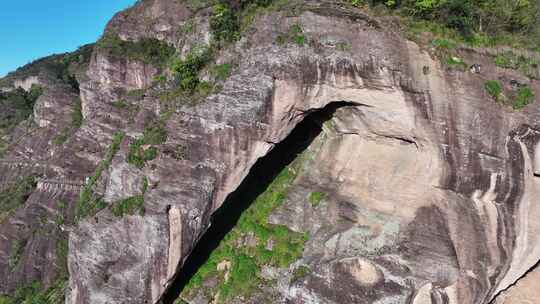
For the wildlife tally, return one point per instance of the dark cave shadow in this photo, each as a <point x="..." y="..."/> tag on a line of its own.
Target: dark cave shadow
<point x="259" y="178"/>
<point x="530" y="270"/>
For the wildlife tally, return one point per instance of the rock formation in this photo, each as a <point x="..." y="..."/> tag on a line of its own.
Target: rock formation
<point x="417" y="188"/>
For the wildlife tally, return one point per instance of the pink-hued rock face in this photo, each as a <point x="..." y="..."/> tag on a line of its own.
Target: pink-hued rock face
<point x="430" y="193"/>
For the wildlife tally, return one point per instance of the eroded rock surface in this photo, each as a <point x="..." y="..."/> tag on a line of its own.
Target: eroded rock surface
<point x="429" y="193"/>
<point x="525" y="291"/>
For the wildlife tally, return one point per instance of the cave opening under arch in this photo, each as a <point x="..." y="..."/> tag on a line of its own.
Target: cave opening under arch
<point x="254" y="184"/>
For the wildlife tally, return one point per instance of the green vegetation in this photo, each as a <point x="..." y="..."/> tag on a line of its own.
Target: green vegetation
<point x="129" y="109"/>
<point x="223" y="23"/>
<point x="15" y="195"/>
<point x="186" y="71"/>
<point x="316" y="197"/>
<point x="187" y="28"/>
<point x="62" y="244"/>
<point x="147" y="50"/>
<point x="242" y="278"/>
<point x="73" y="64"/>
<point x="222" y="71"/>
<point x="141" y="149"/>
<point x="136" y="94"/>
<point x="457" y="62"/>
<point x="62" y="248"/>
<point x="76" y="122"/>
<point x="63" y="67"/>
<point x="186" y="76"/>
<point x="177" y="152"/>
<point x="484" y="22"/>
<point x="155" y="133"/>
<point x="17" y="250"/>
<point x="89" y="203"/>
<point x="294" y="35"/>
<point x="344" y="46"/>
<point x="120" y="104"/>
<point x="132" y="204"/>
<point x="61" y="138"/>
<point x="528" y="66"/>
<point x="299" y="273"/>
<point x="524" y="97"/>
<point x="494" y="89"/>
<point x="129" y="206"/>
<point x="246" y="261"/>
<point x="16" y="106"/>
<point x="444" y="44"/>
<point x="138" y="155"/>
<point x="227" y="23"/>
<point x="33" y="293"/>
<point x="195" y="5"/>
<point x="61" y="207"/>
<point x="445" y="49"/>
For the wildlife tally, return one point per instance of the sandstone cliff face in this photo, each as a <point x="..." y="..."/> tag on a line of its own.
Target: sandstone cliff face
<point x="37" y="183"/>
<point x="427" y="187"/>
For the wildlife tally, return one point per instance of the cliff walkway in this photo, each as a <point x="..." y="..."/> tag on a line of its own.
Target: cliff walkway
<point x="42" y="168"/>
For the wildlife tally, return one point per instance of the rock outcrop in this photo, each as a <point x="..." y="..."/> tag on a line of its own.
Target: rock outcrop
<point x="420" y="189"/>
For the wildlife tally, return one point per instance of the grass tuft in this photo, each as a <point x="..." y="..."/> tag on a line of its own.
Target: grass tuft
<point x="524" y="97"/>
<point x="316" y="197"/>
<point x="16" y="194"/>
<point x="276" y="246"/>
<point x="89" y="203"/>
<point x="294" y="35"/>
<point x="494" y="89"/>
<point x="147" y="50"/>
<point x="142" y="150"/>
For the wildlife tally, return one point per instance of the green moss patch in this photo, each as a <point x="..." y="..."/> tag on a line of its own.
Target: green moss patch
<point x="525" y="96"/>
<point x="223" y="23"/>
<point x="186" y="84"/>
<point x="76" y="122"/>
<point x="494" y="89"/>
<point x="89" y="203"/>
<point x="33" y="293"/>
<point x="147" y="50"/>
<point x="316" y="197"/>
<point x="222" y="71"/>
<point x="528" y="66"/>
<point x="299" y="273"/>
<point x="275" y="246"/>
<point x="142" y="150"/>
<point x="16" y="106"/>
<point x="518" y="100"/>
<point x="131" y="205"/>
<point x="17" y="250"/>
<point x="16" y="194"/>
<point x="186" y="71"/>
<point x="294" y="35"/>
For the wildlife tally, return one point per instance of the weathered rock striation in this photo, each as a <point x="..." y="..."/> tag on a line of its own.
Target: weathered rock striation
<point x="427" y="188"/>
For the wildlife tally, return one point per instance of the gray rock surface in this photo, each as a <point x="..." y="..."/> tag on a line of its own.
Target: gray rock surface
<point x="430" y="186"/>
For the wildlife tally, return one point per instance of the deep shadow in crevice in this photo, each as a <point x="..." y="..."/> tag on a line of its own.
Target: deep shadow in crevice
<point x="498" y="294"/>
<point x="259" y="178"/>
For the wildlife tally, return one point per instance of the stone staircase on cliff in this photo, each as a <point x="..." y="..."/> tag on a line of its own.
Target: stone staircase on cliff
<point x="60" y="185"/>
<point x="14" y="168"/>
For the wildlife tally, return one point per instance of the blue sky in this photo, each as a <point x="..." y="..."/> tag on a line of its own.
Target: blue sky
<point x="31" y="29"/>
